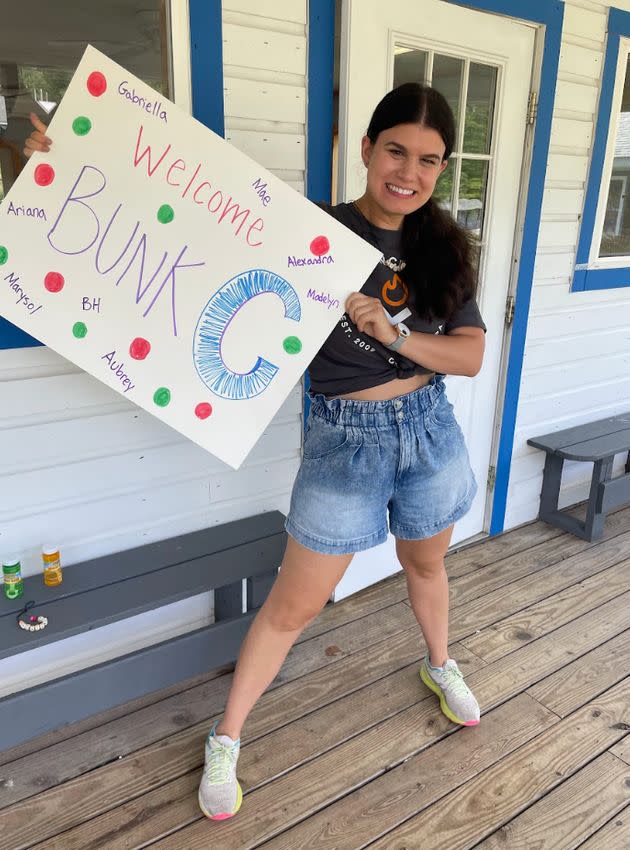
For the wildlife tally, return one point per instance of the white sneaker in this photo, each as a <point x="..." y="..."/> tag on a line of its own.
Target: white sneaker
<point x="456" y="699"/>
<point x="220" y="795"/>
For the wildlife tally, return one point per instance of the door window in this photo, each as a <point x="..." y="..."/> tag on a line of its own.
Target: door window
<point x="471" y="91"/>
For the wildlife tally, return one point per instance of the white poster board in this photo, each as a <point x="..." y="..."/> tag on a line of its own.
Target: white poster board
<point x="151" y="253"/>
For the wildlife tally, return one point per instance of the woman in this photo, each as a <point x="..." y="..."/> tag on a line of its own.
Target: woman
<point x="381" y="439"/>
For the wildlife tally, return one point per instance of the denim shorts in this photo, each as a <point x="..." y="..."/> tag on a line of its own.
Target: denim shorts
<point x="366" y="460"/>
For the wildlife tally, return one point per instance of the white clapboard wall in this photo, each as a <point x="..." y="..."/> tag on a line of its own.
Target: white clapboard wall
<point x="86" y="470"/>
<point x="577" y="357"/>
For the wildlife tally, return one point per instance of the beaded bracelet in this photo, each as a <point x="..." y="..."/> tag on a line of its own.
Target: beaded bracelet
<point x="32" y="623"/>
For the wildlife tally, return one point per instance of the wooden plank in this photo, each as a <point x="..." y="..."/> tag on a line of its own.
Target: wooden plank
<point x="271" y="150"/>
<point x="147" y="559"/>
<point x="102" y="686"/>
<point x="132" y="596"/>
<point x="570" y="687"/>
<point x="614" y="836"/>
<point x="198" y="707"/>
<point x="264" y="101"/>
<point x="413" y="786"/>
<point x="311" y="736"/>
<point x="614" y="493"/>
<point x="250" y="47"/>
<point x="554" y="610"/>
<point x="517" y="781"/>
<point x="300" y="793"/>
<point x="152" y="725"/>
<point x="563" y="439"/>
<point x="622" y="750"/>
<point x="571" y="813"/>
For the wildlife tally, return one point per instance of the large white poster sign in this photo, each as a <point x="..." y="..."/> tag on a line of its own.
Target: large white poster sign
<point x="148" y="251"/>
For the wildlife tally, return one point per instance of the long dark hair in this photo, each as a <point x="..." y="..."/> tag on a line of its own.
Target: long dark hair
<point x="438" y="252"/>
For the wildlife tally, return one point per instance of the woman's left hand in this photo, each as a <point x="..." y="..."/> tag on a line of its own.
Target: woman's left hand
<point x="369" y="315"/>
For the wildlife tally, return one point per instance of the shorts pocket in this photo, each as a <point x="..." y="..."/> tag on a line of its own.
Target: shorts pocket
<point x="441" y="415"/>
<point x="323" y="438"/>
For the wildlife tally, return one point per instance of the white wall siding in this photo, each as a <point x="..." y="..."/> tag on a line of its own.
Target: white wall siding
<point x="86" y="470"/>
<point x="577" y="356"/>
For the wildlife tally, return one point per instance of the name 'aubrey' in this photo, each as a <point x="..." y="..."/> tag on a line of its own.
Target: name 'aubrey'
<point x="117" y="368"/>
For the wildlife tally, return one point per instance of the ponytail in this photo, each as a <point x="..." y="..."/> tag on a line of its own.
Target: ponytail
<point x="439" y="257"/>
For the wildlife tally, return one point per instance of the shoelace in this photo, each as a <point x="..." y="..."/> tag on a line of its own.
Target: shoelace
<point x="454" y="678"/>
<point x="220" y="763"/>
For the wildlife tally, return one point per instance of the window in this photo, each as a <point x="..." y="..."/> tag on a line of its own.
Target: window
<point x="41" y="43"/>
<point x="603" y="255"/>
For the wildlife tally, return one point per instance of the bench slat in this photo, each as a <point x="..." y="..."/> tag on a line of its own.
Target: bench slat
<point x="110" y="569"/>
<point x="597" y="448"/>
<point x="78" y="695"/>
<point x="581" y="433"/>
<point x="69" y="615"/>
<point x="614" y="494"/>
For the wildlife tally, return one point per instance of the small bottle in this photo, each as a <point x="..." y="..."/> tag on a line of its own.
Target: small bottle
<point x="52" y="566"/>
<point x="12" y="575"/>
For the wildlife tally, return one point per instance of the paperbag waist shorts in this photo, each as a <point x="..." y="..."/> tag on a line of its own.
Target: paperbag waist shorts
<point x="365" y="461"/>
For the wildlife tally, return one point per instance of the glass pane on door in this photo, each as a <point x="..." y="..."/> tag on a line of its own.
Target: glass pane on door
<point x="41" y="44"/>
<point x="447" y="78"/>
<point x="410" y="66"/>
<point x="482" y="84"/>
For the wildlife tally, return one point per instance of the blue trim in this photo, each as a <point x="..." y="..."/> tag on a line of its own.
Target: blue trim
<point x="206" y="63"/>
<point x="550" y="14"/>
<point x="321" y="43"/>
<point x="206" y="57"/>
<point x="319" y="134"/>
<point x="13" y="337"/>
<point x="584" y="278"/>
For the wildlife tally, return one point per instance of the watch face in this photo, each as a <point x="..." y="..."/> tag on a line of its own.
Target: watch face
<point x="403" y="330"/>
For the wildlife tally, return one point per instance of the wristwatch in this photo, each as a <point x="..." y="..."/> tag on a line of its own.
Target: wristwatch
<point x="403" y="333"/>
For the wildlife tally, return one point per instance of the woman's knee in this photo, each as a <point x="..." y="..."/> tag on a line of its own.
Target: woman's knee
<point x="423" y="568"/>
<point x="287" y="616"/>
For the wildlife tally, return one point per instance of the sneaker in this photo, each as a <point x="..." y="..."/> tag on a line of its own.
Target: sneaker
<point x="456" y="699"/>
<point x="220" y="795"/>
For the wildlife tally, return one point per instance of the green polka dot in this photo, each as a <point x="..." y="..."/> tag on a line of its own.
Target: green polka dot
<point x="4" y="255"/>
<point x="82" y="125"/>
<point x="79" y="329"/>
<point x="165" y="214"/>
<point x="292" y="345"/>
<point x="162" y="397"/>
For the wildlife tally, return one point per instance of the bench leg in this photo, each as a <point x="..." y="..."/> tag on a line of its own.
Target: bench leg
<point x="550" y="493"/>
<point x="228" y="601"/>
<point x="258" y="588"/>
<point x="594" y="525"/>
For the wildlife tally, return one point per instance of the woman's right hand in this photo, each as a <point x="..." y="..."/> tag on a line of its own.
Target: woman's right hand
<point x="38" y="140"/>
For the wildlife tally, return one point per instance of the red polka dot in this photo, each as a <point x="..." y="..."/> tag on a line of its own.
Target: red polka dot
<point x="203" y="410"/>
<point x="96" y="84"/>
<point x="54" y="282"/>
<point x="44" y="174"/>
<point x="320" y="245"/>
<point x="139" y="348"/>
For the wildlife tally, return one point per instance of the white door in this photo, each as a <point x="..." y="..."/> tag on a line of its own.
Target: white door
<point x="482" y="63"/>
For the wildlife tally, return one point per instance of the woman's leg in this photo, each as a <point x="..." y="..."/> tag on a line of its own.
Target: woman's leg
<point x="303" y="586"/>
<point x="427" y="585"/>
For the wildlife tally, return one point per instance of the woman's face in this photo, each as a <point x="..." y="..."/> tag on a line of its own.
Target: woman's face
<point x="403" y="166"/>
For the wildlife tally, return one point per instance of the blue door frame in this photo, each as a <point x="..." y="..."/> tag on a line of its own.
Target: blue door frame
<point x="547" y="13"/>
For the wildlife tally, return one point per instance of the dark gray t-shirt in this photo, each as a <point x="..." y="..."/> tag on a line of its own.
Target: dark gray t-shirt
<point x="350" y="361"/>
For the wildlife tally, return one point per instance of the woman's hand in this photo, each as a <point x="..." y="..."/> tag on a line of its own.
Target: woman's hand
<point x="38" y="140"/>
<point x="369" y="315"/>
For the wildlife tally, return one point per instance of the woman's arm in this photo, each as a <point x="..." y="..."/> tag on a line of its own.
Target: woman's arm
<point x="460" y="352"/>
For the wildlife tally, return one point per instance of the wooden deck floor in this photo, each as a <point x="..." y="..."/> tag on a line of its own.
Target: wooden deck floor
<point x="349" y="750"/>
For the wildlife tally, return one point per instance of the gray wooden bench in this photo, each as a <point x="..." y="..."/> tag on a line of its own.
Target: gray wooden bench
<point x="111" y="588"/>
<point x="597" y="442"/>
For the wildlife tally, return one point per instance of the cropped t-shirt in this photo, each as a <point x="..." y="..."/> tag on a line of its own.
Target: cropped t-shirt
<point x="350" y="361"/>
